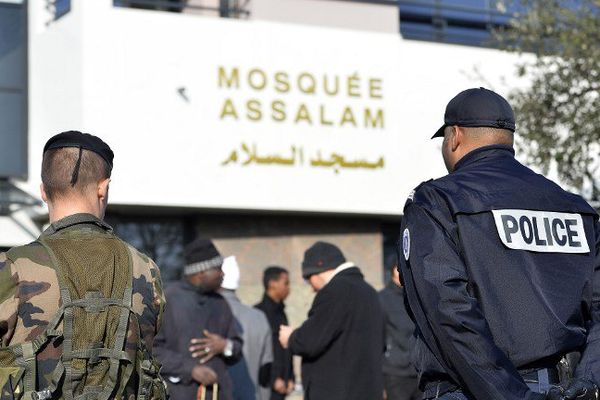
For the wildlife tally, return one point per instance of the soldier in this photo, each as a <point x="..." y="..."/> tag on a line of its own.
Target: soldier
<point x="79" y="308"/>
<point x="501" y="268"/>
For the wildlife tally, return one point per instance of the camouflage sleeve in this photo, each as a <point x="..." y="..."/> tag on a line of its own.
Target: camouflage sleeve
<point x="8" y="300"/>
<point x="148" y="296"/>
<point x="159" y="295"/>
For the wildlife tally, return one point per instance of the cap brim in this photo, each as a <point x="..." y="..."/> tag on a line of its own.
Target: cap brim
<point x="440" y="132"/>
<point x="308" y="272"/>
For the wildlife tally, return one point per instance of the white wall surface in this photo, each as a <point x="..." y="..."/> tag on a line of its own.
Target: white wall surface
<point x="330" y="13"/>
<point x="117" y="73"/>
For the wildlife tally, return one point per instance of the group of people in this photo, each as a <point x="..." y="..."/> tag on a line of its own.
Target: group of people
<point x="499" y="267"/>
<point x="211" y="341"/>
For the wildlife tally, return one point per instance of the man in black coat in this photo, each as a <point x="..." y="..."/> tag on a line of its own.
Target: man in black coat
<point x="199" y="336"/>
<point x="341" y="342"/>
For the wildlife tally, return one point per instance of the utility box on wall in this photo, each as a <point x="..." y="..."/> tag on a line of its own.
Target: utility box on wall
<point x="13" y="89"/>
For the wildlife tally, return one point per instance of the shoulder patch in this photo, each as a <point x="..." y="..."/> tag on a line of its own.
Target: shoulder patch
<point x="411" y="195"/>
<point x="406" y="243"/>
<point x="541" y="231"/>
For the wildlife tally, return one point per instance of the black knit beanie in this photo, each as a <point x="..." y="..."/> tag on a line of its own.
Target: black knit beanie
<point x="321" y="256"/>
<point x="201" y="255"/>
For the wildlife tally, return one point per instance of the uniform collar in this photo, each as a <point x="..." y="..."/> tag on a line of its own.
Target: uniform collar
<point x="76" y="219"/>
<point x="483" y="152"/>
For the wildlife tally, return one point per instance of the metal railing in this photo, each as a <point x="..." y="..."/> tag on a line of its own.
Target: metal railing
<point x="379" y="2"/>
<point x="225" y="9"/>
<point x="439" y="6"/>
<point x="436" y="20"/>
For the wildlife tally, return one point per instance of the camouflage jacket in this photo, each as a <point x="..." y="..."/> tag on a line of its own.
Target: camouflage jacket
<point x="30" y="295"/>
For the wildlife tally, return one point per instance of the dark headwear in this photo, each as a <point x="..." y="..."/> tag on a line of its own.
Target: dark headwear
<point x="321" y="256"/>
<point x="478" y="108"/>
<point x="81" y="141"/>
<point x="201" y="255"/>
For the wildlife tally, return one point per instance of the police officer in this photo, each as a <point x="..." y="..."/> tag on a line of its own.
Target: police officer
<point x="501" y="269"/>
<point x="79" y="308"/>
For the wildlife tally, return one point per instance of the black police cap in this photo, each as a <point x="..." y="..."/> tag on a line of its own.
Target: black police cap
<point x="478" y="108"/>
<point x="81" y="141"/>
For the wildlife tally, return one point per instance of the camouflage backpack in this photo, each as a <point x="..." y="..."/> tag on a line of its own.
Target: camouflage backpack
<point x="103" y="354"/>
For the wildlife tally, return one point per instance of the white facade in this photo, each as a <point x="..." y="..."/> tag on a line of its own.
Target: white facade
<point x="221" y="114"/>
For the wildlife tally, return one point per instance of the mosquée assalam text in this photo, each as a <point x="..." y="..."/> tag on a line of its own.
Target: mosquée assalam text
<point x="306" y="83"/>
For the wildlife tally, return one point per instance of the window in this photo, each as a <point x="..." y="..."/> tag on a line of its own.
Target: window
<point x="161" y="239"/>
<point x="222" y="8"/>
<point x="13" y="90"/>
<point x="468" y="22"/>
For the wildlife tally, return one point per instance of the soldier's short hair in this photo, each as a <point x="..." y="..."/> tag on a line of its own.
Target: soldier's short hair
<point x="58" y="166"/>
<point x="272" y="273"/>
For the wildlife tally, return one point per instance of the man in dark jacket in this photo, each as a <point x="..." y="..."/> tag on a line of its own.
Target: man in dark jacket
<point x="200" y="336"/>
<point x="276" y="281"/>
<point x="341" y="342"/>
<point x="399" y="375"/>
<point x="501" y="269"/>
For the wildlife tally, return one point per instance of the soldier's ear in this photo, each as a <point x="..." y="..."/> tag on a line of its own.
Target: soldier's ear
<point x="43" y="193"/>
<point x="103" y="187"/>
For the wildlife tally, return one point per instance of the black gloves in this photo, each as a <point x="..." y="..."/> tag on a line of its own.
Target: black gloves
<point x="582" y="389"/>
<point x="577" y="389"/>
<point x="555" y="393"/>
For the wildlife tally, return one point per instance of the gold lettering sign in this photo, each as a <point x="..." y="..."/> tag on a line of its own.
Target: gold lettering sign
<point x="360" y="93"/>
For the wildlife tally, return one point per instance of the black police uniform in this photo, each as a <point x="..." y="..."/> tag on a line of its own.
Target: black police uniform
<point x="502" y="273"/>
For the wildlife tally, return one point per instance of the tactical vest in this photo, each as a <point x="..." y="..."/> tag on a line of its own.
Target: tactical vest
<point x="103" y="353"/>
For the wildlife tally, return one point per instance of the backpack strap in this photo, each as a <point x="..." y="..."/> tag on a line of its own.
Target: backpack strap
<point x="115" y="362"/>
<point x="27" y="360"/>
<point x="64" y="364"/>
